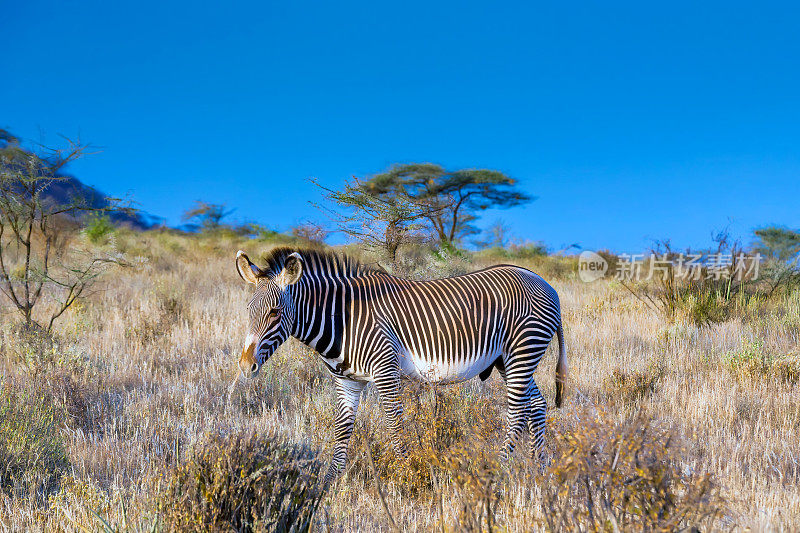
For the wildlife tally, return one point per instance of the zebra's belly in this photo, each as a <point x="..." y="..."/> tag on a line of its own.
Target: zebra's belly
<point x="450" y="370"/>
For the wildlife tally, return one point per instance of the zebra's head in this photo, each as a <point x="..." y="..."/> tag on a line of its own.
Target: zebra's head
<point x="270" y="309"/>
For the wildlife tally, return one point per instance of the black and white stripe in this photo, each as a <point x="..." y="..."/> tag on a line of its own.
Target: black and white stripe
<point x="369" y="326"/>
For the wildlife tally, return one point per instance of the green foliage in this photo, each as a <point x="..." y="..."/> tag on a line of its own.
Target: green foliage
<point x="704" y="306"/>
<point x="458" y="195"/>
<point x="97" y="228"/>
<point x="778" y="243"/>
<point x="702" y="296"/>
<point x="32" y="454"/>
<point x="750" y="358"/>
<point x="243" y="483"/>
<point x="381" y="221"/>
<point x="37" y="350"/>
<point x="528" y="250"/>
<point x="447" y="250"/>
<point x="263" y="233"/>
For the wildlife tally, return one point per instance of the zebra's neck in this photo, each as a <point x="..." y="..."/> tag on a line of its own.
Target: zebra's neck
<point x="320" y="299"/>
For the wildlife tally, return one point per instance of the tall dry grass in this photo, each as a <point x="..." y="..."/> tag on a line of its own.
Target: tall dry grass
<point x="665" y="424"/>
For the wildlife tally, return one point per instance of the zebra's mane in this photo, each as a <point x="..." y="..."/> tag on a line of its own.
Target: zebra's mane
<point x="315" y="258"/>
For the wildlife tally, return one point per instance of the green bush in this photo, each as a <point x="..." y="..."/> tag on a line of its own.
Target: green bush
<point x="32" y="454"/>
<point x="705" y="307"/>
<point x="97" y="228"/>
<point x="243" y="483"/>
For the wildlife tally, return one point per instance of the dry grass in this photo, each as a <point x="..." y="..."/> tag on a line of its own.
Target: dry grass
<point x="250" y="482"/>
<point x="139" y="375"/>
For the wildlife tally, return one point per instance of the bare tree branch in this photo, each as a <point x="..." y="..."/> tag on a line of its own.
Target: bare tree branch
<point x="43" y="256"/>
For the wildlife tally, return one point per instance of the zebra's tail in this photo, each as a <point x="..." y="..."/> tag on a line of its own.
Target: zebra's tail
<point x="561" y="367"/>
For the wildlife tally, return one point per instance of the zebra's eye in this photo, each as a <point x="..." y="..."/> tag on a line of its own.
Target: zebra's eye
<point x="273" y="314"/>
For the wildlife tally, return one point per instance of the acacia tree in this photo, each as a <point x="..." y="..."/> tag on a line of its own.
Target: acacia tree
<point x="458" y="195"/>
<point x="310" y="232"/>
<point x="781" y="244"/>
<point x="39" y="258"/>
<point x="384" y="222"/>
<point x="209" y="215"/>
<point x="781" y="248"/>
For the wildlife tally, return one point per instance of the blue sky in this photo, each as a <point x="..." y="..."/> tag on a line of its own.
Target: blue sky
<point x="629" y="121"/>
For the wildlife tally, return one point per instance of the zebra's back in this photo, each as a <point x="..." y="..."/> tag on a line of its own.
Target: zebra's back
<point x="452" y="329"/>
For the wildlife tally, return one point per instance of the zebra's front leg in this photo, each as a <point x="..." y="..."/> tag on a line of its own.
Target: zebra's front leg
<point x="348" y="394"/>
<point x="388" y="387"/>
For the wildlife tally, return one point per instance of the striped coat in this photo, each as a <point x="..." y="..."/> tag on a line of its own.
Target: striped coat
<point x="369" y="326"/>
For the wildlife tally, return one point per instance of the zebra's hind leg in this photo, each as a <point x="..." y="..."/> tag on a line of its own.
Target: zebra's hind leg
<point x="517" y="386"/>
<point x="536" y="422"/>
<point x="348" y="394"/>
<point x="521" y="391"/>
<point x="389" y="391"/>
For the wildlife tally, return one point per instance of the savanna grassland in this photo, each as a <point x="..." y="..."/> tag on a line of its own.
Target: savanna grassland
<point x="128" y="417"/>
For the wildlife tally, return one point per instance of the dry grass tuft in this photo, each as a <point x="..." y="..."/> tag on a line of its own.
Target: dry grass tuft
<point x="242" y="483"/>
<point x="32" y="453"/>
<point x="624" y="475"/>
<point x="631" y="386"/>
<point x="751" y="361"/>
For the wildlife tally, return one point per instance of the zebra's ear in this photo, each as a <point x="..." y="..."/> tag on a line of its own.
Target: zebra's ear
<point x="246" y="269"/>
<point x="292" y="269"/>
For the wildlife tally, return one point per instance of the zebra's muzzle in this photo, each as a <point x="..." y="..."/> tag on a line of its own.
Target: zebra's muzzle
<point x="247" y="362"/>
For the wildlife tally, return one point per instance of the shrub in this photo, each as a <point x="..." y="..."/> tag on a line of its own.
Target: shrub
<point x="98" y="228"/>
<point x="476" y="480"/>
<point x="548" y="266"/>
<point x="628" y="475"/>
<point x="169" y="309"/>
<point x="751" y="361"/>
<point x="698" y="302"/>
<point x="440" y="424"/>
<point x="631" y="386"/>
<point x="677" y="333"/>
<point x="527" y="250"/>
<point x="787" y="369"/>
<point x="32" y="454"/>
<point x="265" y="234"/>
<point x="243" y="483"/>
<point x="703" y="307"/>
<point x="27" y="346"/>
<point x="38" y="351"/>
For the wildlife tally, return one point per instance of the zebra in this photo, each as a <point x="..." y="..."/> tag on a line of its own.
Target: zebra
<point x="370" y="326"/>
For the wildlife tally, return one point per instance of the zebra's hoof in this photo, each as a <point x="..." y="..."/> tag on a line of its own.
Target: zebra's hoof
<point x="330" y="476"/>
<point x="542" y="460"/>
